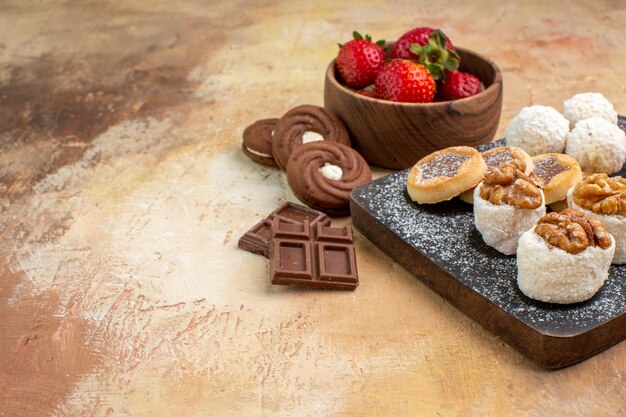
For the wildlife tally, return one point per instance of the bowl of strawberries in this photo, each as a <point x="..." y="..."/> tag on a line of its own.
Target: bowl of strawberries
<point x="403" y="100"/>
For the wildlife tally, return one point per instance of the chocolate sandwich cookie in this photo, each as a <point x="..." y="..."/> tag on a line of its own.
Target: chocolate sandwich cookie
<point x="304" y="124"/>
<point x="445" y="174"/>
<point x="257" y="141"/>
<point x="557" y="173"/>
<point x="322" y="175"/>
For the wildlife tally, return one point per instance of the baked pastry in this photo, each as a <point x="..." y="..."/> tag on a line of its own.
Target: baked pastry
<point x="506" y="204"/>
<point x="559" y="205"/>
<point x="257" y="141"/>
<point x="537" y="130"/>
<point x="556" y="173"/>
<point x="605" y="199"/>
<point x="496" y="156"/>
<point x="304" y="124"/>
<point x="598" y="145"/>
<point x="565" y="258"/>
<point x="586" y="105"/>
<point x="322" y="175"/>
<point x="445" y="174"/>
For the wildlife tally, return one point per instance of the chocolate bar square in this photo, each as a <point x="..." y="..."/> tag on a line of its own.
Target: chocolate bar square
<point x="257" y="239"/>
<point x="312" y="255"/>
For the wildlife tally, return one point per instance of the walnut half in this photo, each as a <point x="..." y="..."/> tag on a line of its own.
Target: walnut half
<point x="601" y="194"/>
<point x="507" y="184"/>
<point x="571" y="231"/>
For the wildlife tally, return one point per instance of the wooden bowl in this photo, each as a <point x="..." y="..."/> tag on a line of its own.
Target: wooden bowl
<point x="397" y="135"/>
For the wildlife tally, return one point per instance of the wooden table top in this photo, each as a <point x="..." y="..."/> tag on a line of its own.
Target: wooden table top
<point x="123" y="192"/>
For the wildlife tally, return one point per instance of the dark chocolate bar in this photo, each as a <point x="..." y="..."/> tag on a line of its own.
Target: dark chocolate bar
<point x="257" y="239"/>
<point x="312" y="255"/>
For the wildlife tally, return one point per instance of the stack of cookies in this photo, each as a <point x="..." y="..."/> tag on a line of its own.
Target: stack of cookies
<point x="312" y="145"/>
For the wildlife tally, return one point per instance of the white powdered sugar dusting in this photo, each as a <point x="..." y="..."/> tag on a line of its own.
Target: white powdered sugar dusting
<point x="445" y="234"/>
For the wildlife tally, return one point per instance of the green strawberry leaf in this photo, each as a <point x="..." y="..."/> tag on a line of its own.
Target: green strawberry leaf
<point x="416" y="48"/>
<point x="356" y="35"/>
<point x="451" y="64"/>
<point x="436" y="70"/>
<point x="439" y="37"/>
<point x="381" y="42"/>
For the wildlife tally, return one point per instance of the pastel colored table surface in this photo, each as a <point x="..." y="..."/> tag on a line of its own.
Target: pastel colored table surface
<point x="123" y="192"/>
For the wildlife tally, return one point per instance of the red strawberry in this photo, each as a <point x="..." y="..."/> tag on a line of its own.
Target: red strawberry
<point x="405" y="81"/>
<point x="457" y="85"/>
<point x="359" y="60"/>
<point x="419" y="36"/>
<point x="438" y="59"/>
<point x="368" y="92"/>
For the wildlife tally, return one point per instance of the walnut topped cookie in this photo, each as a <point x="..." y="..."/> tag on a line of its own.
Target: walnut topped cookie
<point x="497" y="156"/>
<point x="445" y="174"/>
<point x="506" y="204"/>
<point x="507" y="184"/>
<point x="572" y="232"/>
<point x="604" y="197"/>
<point x="565" y="258"/>
<point x="601" y="194"/>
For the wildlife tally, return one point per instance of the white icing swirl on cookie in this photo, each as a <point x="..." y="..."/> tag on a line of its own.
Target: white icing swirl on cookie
<point x="310" y="136"/>
<point x="332" y="172"/>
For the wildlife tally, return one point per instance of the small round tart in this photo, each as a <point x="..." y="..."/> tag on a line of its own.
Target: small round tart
<point x="445" y="174"/>
<point x="604" y="197"/>
<point x="257" y="141"/>
<point x="506" y="204"/>
<point x="305" y="124"/>
<point x="565" y="258"/>
<point x="495" y="157"/>
<point x="557" y="173"/>
<point x="322" y="175"/>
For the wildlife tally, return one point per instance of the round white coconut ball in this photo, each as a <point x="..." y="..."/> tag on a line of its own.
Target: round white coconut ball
<point x="586" y="105"/>
<point x="598" y="145"/>
<point x="537" y="130"/>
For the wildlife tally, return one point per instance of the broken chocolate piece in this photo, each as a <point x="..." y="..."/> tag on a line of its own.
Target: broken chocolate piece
<point x="312" y="255"/>
<point x="257" y="239"/>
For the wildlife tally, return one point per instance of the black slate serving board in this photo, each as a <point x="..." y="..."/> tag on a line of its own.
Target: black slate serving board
<point x="440" y="245"/>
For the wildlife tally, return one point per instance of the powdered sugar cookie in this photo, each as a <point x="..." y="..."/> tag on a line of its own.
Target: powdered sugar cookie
<point x="445" y="174"/>
<point x="557" y="173"/>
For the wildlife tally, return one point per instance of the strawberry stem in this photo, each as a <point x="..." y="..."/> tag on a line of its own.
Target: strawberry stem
<point x="435" y="56"/>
